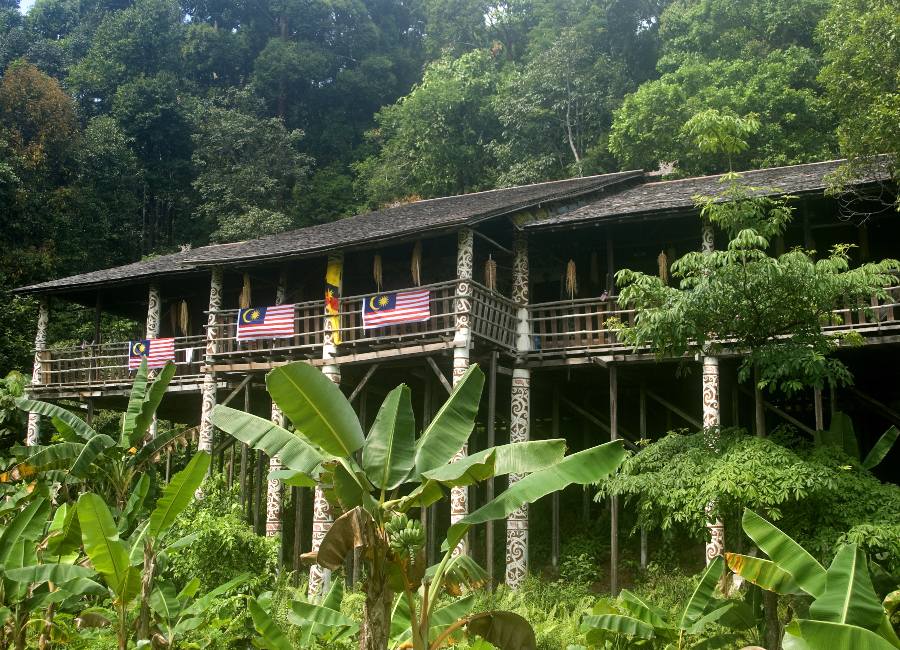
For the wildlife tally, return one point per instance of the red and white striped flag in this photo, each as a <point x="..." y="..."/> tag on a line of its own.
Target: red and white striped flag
<point x="156" y="351"/>
<point x="265" y="322"/>
<point x="394" y="308"/>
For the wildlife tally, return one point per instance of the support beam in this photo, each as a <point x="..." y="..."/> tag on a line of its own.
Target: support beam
<point x="687" y="417"/>
<point x="885" y="410"/>
<point x="554" y="517"/>
<point x="462" y="342"/>
<point x="33" y="432"/>
<point x="274" y="490"/>
<point x="209" y="376"/>
<point x="362" y="382"/>
<point x="492" y="242"/>
<point x="440" y="375"/>
<point x="320" y="577"/>
<point x="613" y="500"/>
<point x="787" y="416"/>
<point x="817" y="406"/>
<point x="489" y="485"/>
<point x="642" y="429"/>
<point x="154" y="315"/>
<point x="592" y="418"/>
<point x="234" y="393"/>
<point x="519" y="412"/>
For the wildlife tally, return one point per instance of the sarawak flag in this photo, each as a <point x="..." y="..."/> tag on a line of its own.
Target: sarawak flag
<point x="156" y="351"/>
<point x="265" y="322"/>
<point x="394" y="308"/>
<point x="333" y="276"/>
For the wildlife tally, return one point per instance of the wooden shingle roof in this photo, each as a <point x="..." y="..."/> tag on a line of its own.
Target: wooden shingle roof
<point x="431" y="216"/>
<point x="678" y="195"/>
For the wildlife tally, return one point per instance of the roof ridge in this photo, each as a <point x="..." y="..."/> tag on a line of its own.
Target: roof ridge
<point x="747" y="171"/>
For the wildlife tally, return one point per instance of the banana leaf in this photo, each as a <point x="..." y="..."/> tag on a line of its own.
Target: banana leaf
<point x="177" y="495"/>
<point x="882" y="448"/>
<point x="107" y="552"/>
<point x="763" y="573"/>
<point x="453" y="423"/>
<point x="143" y="420"/>
<point x="271" y="635"/>
<point x="317" y="407"/>
<point x="703" y="594"/>
<point x="389" y="453"/>
<point x="78" y="425"/>
<point x="787" y="554"/>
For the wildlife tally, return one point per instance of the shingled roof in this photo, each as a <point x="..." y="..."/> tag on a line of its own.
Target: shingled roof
<point x="407" y="220"/>
<point x="432" y="215"/>
<point x="678" y="195"/>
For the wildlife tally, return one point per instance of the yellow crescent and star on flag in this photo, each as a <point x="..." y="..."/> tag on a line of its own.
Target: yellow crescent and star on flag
<point x="138" y="348"/>
<point x="378" y="301"/>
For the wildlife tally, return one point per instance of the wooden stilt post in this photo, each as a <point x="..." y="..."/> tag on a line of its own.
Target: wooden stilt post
<point x="258" y="494"/>
<point x="208" y="399"/>
<point x="614" y="500"/>
<point x="274" y="490"/>
<point x="489" y="485"/>
<point x="820" y="416"/>
<point x="245" y="460"/>
<point x="554" y="545"/>
<point x="735" y="405"/>
<point x="33" y="431"/>
<point x="297" y="499"/>
<point x="642" y="426"/>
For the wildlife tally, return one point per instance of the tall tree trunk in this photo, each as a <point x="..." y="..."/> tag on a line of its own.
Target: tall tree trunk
<point x="376" y="613"/>
<point x="44" y="640"/>
<point x="758" y="403"/>
<point x="773" y="626"/>
<point x="143" y="631"/>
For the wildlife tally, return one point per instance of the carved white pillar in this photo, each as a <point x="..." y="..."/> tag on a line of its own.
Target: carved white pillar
<point x="715" y="544"/>
<point x="462" y="341"/>
<point x="320" y="577"/>
<point x="33" y="432"/>
<point x="154" y="309"/>
<point x="273" y="490"/>
<point x="712" y="420"/>
<point x="209" y="377"/>
<point x="520" y="414"/>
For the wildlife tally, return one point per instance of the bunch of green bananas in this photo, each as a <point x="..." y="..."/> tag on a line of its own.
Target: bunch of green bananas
<point x="405" y="537"/>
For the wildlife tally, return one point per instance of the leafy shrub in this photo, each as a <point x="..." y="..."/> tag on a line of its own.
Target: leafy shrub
<point x="226" y="545"/>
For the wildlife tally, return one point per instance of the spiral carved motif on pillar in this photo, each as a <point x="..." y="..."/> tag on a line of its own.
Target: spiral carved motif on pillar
<point x="711" y="409"/>
<point x="208" y="393"/>
<point x="520" y="268"/>
<point x="517" y="521"/>
<point x="464" y="273"/>
<point x="322" y="518"/>
<point x="708" y="239"/>
<point x="33" y="430"/>
<point x="154" y="309"/>
<point x="273" y="489"/>
<point x="715" y="545"/>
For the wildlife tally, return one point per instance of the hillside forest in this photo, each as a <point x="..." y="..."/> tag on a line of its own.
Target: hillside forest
<point x="134" y="128"/>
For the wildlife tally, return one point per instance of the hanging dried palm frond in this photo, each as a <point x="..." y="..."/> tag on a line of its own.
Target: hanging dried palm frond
<point x="571" y="279"/>
<point x="416" y="265"/>
<point x="245" y="292"/>
<point x="595" y="268"/>
<point x="376" y="271"/>
<point x="663" y="263"/>
<point x="184" y="321"/>
<point x="490" y="274"/>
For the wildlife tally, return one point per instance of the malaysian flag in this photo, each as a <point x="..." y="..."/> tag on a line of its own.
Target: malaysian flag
<point x="393" y="308"/>
<point x="156" y="351"/>
<point x="265" y="322"/>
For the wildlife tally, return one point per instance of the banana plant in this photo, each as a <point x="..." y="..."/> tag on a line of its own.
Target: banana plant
<point x="399" y="473"/>
<point x="845" y="613"/>
<point x="85" y="454"/>
<point x="317" y="623"/>
<point x="841" y="434"/>
<point x="128" y="568"/>
<point x="642" y="620"/>
<point x="178" y="613"/>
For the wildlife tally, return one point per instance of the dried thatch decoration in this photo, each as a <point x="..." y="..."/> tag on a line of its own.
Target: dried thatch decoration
<point x="571" y="279"/>
<point x="595" y="268"/>
<point x="663" y="263"/>
<point x="490" y="274"/>
<point x="376" y="271"/>
<point x="245" y="292"/>
<point x="184" y="321"/>
<point x="416" y="264"/>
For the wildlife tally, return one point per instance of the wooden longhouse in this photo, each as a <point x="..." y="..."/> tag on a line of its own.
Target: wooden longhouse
<point x="494" y="265"/>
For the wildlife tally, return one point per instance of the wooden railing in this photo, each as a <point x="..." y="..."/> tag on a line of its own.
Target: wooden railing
<point x="873" y="317"/>
<point x="494" y="317"/>
<point x="575" y="324"/>
<point x="107" y="363"/>
<point x="567" y="326"/>
<point x="306" y="341"/>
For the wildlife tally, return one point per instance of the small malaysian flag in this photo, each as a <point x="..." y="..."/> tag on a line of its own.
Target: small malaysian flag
<point x="156" y="351"/>
<point x="265" y="322"/>
<point x="394" y="308"/>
